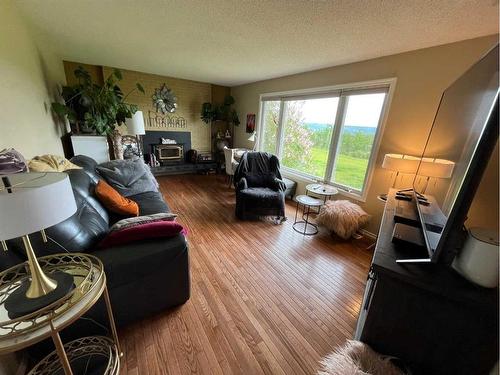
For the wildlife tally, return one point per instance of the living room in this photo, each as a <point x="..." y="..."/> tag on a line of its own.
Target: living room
<point x="228" y="180"/>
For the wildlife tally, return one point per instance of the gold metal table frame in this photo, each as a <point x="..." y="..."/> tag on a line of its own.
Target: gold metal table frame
<point x="90" y="285"/>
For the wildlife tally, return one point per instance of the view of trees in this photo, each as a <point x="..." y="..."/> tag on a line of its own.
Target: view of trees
<point x="306" y="147"/>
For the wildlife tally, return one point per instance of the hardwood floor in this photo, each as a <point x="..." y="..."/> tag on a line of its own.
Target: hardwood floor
<point x="264" y="299"/>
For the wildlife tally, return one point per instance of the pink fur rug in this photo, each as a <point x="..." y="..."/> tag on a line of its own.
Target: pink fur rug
<point x="342" y="217"/>
<point x="356" y="358"/>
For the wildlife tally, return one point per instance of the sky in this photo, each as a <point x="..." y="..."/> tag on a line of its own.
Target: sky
<point x="363" y="110"/>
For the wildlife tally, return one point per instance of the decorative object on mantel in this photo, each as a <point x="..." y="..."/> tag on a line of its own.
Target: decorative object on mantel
<point x="157" y="120"/>
<point x="250" y="122"/>
<point x="167" y="141"/>
<point x="91" y="108"/>
<point x="223" y="112"/>
<point x="164" y="100"/>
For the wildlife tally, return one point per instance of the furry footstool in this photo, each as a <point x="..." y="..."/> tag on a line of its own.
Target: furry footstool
<point x="342" y="217"/>
<point x="356" y="358"/>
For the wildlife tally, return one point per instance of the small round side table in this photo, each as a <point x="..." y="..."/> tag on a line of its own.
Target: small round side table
<point x="89" y="285"/>
<point x="323" y="190"/>
<point x="304" y="226"/>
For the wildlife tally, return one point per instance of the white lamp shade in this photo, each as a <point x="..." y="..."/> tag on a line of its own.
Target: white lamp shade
<point x="37" y="201"/>
<point x="252" y="137"/>
<point x="436" y="168"/>
<point x="401" y="163"/>
<point x="135" y="125"/>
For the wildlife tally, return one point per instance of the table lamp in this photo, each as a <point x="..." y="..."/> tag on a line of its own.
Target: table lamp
<point x="253" y="138"/>
<point x="31" y="202"/>
<point x="400" y="164"/>
<point x="435" y="168"/>
<point x="135" y="126"/>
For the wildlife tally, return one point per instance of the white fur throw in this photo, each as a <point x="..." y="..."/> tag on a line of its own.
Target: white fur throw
<point x="342" y="217"/>
<point x="356" y="358"/>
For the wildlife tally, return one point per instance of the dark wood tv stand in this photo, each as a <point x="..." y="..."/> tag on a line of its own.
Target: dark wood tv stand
<point x="426" y="314"/>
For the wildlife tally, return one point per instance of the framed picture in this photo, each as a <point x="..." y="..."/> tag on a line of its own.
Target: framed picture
<point x="250" y="122"/>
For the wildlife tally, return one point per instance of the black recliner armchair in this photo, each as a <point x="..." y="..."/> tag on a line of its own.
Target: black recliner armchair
<point x="260" y="190"/>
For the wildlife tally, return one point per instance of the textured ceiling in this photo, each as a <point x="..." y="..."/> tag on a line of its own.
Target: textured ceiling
<point x="235" y="42"/>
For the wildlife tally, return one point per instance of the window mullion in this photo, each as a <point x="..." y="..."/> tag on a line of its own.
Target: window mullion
<point x="260" y="127"/>
<point x="334" y="143"/>
<point x="281" y="131"/>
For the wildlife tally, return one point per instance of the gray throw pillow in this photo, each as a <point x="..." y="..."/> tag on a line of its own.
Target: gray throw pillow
<point x="138" y="220"/>
<point x="129" y="177"/>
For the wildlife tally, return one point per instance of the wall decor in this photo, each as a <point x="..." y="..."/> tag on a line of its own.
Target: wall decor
<point x="157" y="120"/>
<point x="250" y="122"/>
<point x="164" y="100"/>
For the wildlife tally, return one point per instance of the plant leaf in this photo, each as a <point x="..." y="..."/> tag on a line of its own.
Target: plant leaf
<point x="140" y="88"/>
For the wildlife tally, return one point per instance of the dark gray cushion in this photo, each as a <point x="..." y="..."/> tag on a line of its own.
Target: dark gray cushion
<point x="88" y="164"/>
<point x="129" y="177"/>
<point x="150" y="202"/>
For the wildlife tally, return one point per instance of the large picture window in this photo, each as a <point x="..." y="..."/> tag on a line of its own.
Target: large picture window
<point x="328" y="134"/>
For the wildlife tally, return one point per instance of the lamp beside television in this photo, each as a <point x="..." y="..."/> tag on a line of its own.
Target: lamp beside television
<point x="427" y="167"/>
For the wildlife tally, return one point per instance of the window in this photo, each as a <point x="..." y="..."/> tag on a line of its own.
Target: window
<point x="328" y="134"/>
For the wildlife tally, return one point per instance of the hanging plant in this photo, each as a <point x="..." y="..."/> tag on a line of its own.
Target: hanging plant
<point x="91" y="108"/>
<point x="164" y="100"/>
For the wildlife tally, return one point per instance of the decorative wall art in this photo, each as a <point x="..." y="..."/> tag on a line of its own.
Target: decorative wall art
<point x="157" y="120"/>
<point x="164" y="100"/>
<point x="250" y="122"/>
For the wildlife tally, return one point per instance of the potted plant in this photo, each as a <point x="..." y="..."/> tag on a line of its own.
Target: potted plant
<point x="91" y="108"/>
<point x="223" y="112"/>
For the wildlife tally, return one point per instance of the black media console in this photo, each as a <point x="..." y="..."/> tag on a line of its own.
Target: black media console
<point x="426" y="314"/>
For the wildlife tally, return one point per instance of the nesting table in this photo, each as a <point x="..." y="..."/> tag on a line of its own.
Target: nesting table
<point x="89" y="286"/>
<point x="322" y="190"/>
<point x="316" y="196"/>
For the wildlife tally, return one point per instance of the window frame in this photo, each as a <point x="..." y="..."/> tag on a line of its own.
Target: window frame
<point x="330" y="91"/>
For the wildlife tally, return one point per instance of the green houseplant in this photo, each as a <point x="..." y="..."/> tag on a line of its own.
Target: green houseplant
<point x="223" y="112"/>
<point x="91" y="108"/>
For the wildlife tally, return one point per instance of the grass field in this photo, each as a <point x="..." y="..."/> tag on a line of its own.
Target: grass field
<point x="350" y="171"/>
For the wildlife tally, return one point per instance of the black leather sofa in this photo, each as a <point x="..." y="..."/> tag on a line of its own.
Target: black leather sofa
<point x="143" y="278"/>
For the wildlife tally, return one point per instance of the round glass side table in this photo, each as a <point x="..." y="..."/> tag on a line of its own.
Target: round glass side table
<point x="89" y="285"/>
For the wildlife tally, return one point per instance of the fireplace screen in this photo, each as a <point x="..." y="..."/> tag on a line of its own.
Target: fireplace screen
<point x="169" y="152"/>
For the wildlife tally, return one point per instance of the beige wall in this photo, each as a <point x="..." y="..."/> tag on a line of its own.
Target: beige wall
<point x="190" y="96"/>
<point x="30" y="74"/>
<point x="422" y="76"/>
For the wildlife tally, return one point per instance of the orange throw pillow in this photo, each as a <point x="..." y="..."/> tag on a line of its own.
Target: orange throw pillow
<point x="114" y="201"/>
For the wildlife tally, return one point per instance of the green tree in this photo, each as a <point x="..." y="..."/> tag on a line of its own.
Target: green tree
<point x="297" y="143"/>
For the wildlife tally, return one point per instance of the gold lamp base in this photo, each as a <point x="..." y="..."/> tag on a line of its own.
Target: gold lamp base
<point x="41" y="284"/>
<point x="40" y="290"/>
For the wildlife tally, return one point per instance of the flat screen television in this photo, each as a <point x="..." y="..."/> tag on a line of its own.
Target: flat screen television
<point x="465" y="132"/>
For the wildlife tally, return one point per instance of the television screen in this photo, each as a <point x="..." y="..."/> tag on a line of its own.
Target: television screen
<point x="449" y="161"/>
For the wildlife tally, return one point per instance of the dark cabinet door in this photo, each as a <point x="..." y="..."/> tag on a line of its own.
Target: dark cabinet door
<point x="431" y="333"/>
